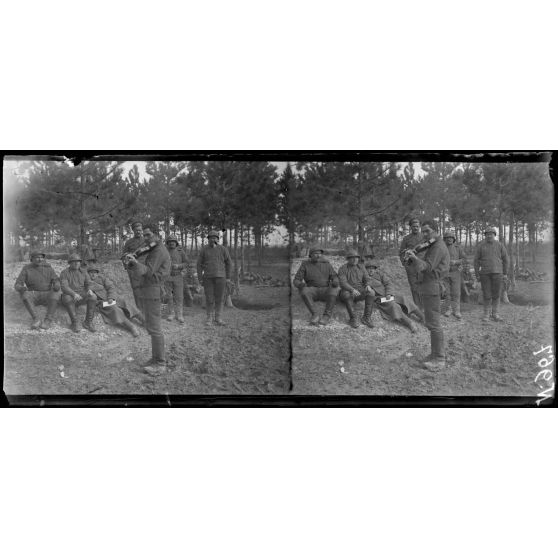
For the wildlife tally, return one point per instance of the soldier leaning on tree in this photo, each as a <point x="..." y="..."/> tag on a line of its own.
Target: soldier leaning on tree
<point x="316" y="280"/>
<point x="38" y="284"/>
<point x="491" y="267"/>
<point x="408" y="243"/>
<point x="355" y="286"/>
<point x="174" y="284"/>
<point x="453" y="281"/>
<point x="76" y="291"/>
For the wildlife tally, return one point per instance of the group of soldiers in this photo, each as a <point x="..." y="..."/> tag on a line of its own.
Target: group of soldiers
<point x="153" y="268"/>
<point x="434" y="267"/>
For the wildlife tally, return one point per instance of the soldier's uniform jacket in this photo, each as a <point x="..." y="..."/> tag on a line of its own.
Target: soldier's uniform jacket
<point x="433" y="268"/>
<point x="149" y="274"/>
<point x="132" y="244"/>
<point x="103" y="287"/>
<point x="214" y="261"/>
<point x="37" y="278"/>
<point x="409" y="242"/>
<point x="491" y="257"/>
<point x="74" y="281"/>
<point x="456" y="253"/>
<point x="319" y="274"/>
<point x="380" y="282"/>
<point x="352" y="277"/>
<point x="178" y="257"/>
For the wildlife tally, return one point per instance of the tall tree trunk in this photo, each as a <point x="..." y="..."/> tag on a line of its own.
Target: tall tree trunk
<point x="242" y="268"/>
<point x="249" y="251"/>
<point x="236" y="254"/>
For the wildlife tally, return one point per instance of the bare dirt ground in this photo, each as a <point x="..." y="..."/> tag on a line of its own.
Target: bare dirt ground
<point x="493" y="359"/>
<point x="250" y="355"/>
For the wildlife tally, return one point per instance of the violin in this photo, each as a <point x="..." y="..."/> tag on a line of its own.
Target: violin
<point x="139" y="252"/>
<point x="421" y="247"/>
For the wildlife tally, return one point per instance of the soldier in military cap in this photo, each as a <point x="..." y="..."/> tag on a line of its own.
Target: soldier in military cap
<point x="453" y="281"/>
<point x="114" y="309"/>
<point x="174" y="284"/>
<point x="316" y="280"/>
<point x="38" y="284"/>
<point x="491" y="267"/>
<point x="355" y="286"/>
<point x="76" y="289"/>
<point x="130" y="246"/>
<point x="214" y="271"/>
<point x="148" y="272"/>
<point x="408" y="243"/>
<point x="392" y="305"/>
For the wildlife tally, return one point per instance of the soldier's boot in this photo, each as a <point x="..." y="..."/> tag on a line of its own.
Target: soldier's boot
<point x="178" y="313"/>
<point x="367" y="319"/>
<point x="209" y="316"/>
<point x="330" y="303"/>
<point x="75" y="326"/>
<point x="129" y="326"/>
<point x="90" y="315"/>
<point x="405" y="320"/>
<point x="495" y="311"/>
<point x="456" y="307"/>
<point x="314" y="316"/>
<point x="419" y="315"/>
<point x="36" y="323"/>
<point x="51" y="309"/>
<point x="486" y="314"/>
<point x="188" y="298"/>
<point x="353" y="321"/>
<point x="446" y="308"/>
<point x="159" y="364"/>
<point x="218" y="311"/>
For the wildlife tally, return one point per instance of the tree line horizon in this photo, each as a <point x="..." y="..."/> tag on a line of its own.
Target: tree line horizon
<point x="358" y="204"/>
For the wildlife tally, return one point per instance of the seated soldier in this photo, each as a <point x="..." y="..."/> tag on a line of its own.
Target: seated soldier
<point x="355" y="286"/>
<point x="316" y="280"/>
<point x="76" y="291"/>
<point x="38" y="284"/>
<point x="399" y="307"/>
<point x="118" y="311"/>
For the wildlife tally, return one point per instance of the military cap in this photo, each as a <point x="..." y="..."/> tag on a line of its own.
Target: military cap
<point x="74" y="258"/>
<point x="171" y="238"/>
<point x="450" y="234"/>
<point x="93" y="268"/>
<point x="351" y="254"/>
<point x="315" y="249"/>
<point x="33" y="254"/>
<point x="136" y="223"/>
<point x="213" y="233"/>
<point x="489" y="230"/>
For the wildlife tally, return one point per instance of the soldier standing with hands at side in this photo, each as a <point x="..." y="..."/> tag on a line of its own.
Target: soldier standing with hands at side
<point x="149" y="275"/>
<point x="214" y="271"/>
<point x="431" y="271"/>
<point x="453" y="280"/>
<point x="175" y="283"/>
<point x="491" y="267"/>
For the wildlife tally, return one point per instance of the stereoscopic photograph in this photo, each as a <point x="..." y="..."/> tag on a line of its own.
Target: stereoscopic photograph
<point x="423" y="278"/>
<point x="145" y="277"/>
<point x="366" y="277"/>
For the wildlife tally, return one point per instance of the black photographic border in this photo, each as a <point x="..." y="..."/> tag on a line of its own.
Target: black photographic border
<point x="287" y="401"/>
